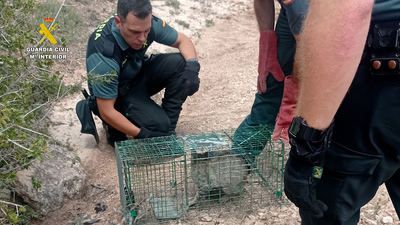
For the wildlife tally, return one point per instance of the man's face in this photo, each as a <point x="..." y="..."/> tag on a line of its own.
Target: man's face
<point x="134" y="30"/>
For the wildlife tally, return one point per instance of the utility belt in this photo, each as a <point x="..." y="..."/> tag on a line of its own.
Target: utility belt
<point x="383" y="48"/>
<point x="84" y="109"/>
<point x="91" y="99"/>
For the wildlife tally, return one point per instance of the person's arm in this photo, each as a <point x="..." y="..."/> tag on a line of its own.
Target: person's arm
<point x="165" y="34"/>
<point x="114" y="118"/>
<point x="265" y="14"/>
<point x="185" y="46"/>
<point x="191" y="71"/>
<point x="268" y="56"/>
<point x="104" y="83"/>
<point x="328" y="55"/>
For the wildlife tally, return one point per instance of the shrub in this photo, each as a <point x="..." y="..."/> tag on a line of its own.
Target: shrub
<point x="27" y="89"/>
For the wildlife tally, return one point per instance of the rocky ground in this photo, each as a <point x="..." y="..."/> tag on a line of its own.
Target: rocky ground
<point x="226" y="37"/>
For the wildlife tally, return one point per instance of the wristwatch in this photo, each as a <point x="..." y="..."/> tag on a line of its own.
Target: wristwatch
<point x="299" y="130"/>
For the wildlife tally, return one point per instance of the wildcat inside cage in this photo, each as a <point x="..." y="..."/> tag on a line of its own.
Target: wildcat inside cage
<point x="162" y="178"/>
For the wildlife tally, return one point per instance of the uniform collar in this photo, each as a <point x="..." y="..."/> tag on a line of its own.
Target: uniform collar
<point x="117" y="35"/>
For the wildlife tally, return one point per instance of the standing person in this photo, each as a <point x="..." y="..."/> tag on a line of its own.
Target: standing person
<point x="345" y="139"/>
<point x="276" y="86"/>
<point x="122" y="78"/>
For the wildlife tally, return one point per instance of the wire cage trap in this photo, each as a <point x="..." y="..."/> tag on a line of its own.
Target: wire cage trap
<point x="162" y="178"/>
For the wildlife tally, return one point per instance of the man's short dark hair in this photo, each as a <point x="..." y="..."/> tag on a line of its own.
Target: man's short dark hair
<point x="139" y="8"/>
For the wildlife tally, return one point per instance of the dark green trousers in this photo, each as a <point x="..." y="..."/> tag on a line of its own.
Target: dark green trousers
<point x="365" y="152"/>
<point x="158" y="72"/>
<point x="266" y="106"/>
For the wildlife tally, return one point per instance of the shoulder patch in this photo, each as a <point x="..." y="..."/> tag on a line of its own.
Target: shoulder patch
<point x="163" y="22"/>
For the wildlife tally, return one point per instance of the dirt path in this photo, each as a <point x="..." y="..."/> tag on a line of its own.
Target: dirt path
<point x="228" y="55"/>
<point x="225" y="97"/>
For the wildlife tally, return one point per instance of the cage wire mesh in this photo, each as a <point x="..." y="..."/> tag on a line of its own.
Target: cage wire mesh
<point x="162" y="178"/>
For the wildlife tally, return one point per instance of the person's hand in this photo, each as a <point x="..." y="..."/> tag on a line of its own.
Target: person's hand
<point x="287" y="109"/>
<point x="268" y="60"/>
<point x="191" y="80"/>
<point x="145" y="133"/>
<point x="304" y="167"/>
<point x="300" y="186"/>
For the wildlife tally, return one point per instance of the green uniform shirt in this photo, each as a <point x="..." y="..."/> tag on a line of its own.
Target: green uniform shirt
<point x="111" y="62"/>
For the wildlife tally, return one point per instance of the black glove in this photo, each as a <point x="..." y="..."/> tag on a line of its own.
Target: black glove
<point x="191" y="81"/>
<point x="300" y="184"/>
<point x="145" y="133"/>
<point x="304" y="168"/>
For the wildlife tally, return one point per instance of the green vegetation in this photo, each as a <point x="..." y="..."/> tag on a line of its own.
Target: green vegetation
<point x="28" y="87"/>
<point x="209" y="22"/>
<point x="182" y="23"/>
<point x="68" y="20"/>
<point x="175" y="4"/>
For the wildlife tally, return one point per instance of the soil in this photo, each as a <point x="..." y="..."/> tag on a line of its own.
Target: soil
<point x="226" y="38"/>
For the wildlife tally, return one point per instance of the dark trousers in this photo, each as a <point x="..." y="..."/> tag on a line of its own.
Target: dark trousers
<point x="158" y="72"/>
<point x="365" y="152"/>
<point x="266" y="106"/>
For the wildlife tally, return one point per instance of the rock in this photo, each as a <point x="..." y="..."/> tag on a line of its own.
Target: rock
<point x="46" y="184"/>
<point x="206" y="218"/>
<point x="263" y="210"/>
<point x="274" y="214"/>
<point x="91" y="221"/>
<point x="368" y="211"/>
<point x="84" y="219"/>
<point x="370" y="222"/>
<point x="387" y="220"/>
<point x="281" y="216"/>
<point x="219" y="221"/>
<point x="262" y="216"/>
<point x="250" y="220"/>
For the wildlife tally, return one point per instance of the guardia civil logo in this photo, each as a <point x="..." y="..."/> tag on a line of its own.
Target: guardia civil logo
<point x="47" y="32"/>
<point x="48" y="46"/>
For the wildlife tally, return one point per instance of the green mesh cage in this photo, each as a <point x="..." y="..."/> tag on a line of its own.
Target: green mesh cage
<point x="169" y="177"/>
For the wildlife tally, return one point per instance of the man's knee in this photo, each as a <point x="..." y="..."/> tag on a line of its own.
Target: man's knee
<point x="159" y="122"/>
<point x="174" y="67"/>
<point x="176" y="60"/>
